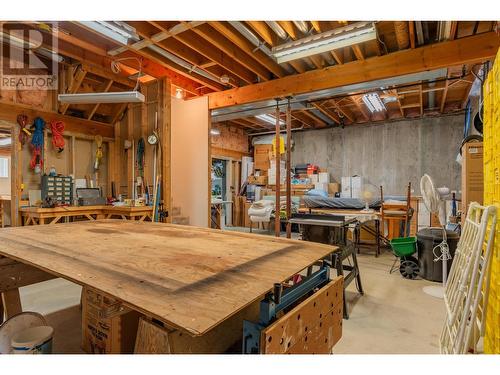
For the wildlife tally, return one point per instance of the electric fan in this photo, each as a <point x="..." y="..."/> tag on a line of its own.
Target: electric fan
<point x="367" y="195"/>
<point x="435" y="203"/>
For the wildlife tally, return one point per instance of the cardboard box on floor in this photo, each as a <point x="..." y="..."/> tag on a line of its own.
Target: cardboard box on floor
<point x="102" y="334"/>
<point x="472" y="175"/>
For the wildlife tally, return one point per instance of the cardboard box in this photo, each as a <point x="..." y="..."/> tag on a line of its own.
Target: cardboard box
<point x="262" y="155"/>
<point x="321" y="186"/>
<point x="345" y="191"/>
<point x="324" y="177"/>
<point x="104" y="329"/>
<point x="246" y="217"/>
<point x="333" y="187"/>
<point x="472" y="175"/>
<point x="257" y="180"/>
<point x="314" y="178"/>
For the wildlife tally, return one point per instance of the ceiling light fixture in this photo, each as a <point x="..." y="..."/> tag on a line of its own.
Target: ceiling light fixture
<point x="373" y="102"/>
<point x="118" y="31"/>
<point x="108" y="97"/>
<point x="269" y="119"/>
<point x="102" y="97"/>
<point x="179" y="93"/>
<point x="225" y="79"/>
<point x="215" y="131"/>
<point x="337" y="38"/>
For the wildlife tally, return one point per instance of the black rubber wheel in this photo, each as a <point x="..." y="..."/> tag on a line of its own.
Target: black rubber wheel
<point x="408" y="267"/>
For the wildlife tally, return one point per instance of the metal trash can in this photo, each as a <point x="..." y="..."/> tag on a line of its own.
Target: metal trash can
<point x="427" y="239"/>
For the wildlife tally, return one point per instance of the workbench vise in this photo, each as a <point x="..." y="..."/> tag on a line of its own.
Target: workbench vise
<point x="279" y="301"/>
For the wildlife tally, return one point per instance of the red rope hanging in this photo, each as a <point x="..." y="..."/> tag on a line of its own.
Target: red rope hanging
<point x="57" y="129"/>
<point x="24" y="133"/>
<point x="36" y="158"/>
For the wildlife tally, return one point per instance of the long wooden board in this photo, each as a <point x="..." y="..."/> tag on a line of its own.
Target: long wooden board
<point x="469" y="50"/>
<point x="187" y="277"/>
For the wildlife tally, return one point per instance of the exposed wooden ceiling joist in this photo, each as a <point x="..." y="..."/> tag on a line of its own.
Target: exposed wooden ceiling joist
<point x="467" y="50"/>
<point x="212" y="36"/>
<point x="234" y="36"/>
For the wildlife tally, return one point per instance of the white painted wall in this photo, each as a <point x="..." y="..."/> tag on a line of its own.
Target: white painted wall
<point x="190" y="161"/>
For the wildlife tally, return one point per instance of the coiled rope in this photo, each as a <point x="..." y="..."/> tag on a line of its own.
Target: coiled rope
<point x="37" y="143"/>
<point x="98" y="152"/>
<point x="24" y="133"/>
<point x="57" y="129"/>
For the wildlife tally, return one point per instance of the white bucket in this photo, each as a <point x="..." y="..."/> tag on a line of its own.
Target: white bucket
<point x="35" y="340"/>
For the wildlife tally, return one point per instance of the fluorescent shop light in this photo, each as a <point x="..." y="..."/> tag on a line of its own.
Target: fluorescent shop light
<point x="118" y="31"/>
<point x="338" y="38"/>
<point x="269" y="119"/>
<point x="103" y="97"/>
<point x="373" y="102"/>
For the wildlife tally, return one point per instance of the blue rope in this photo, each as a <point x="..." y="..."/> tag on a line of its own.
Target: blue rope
<point x="37" y="139"/>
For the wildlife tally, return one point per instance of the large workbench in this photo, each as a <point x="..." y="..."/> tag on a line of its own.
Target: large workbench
<point x="191" y="279"/>
<point x="40" y="216"/>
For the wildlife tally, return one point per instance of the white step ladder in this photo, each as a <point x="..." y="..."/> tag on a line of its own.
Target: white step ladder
<point x="466" y="292"/>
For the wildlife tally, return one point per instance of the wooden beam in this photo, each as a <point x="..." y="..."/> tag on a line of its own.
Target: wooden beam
<point x="234" y="36"/>
<point x="15" y="177"/>
<point x="116" y="78"/>
<point x="77" y="78"/>
<point x="469" y="50"/>
<point x="316" y="26"/>
<point x="315" y="119"/>
<point x="337" y="57"/>
<point x="165" y="126"/>
<point x="445" y="93"/>
<point x="277" y="156"/>
<point x="159" y="59"/>
<point x="421" y="96"/>
<point x="453" y="30"/>
<point x="357" y="52"/>
<point x="289" y="28"/>
<point x="71" y="46"/>
<point x="213" y="37"/>
<point x="357" y="102"/>
<point x="158" y="37"/>
<point x="341" y="110"/>
<point x="411" y="28"/>
<point x="193" y="41"/>
<point x="103" y="88"/>
<point x="9" y="112"/>
<point x="327" y="113"/>
<point x="288" y="170"/>
<point x="261" y="28"/>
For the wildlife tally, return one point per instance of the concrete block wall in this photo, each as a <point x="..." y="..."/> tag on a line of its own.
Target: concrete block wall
<point x="388" y="154"/>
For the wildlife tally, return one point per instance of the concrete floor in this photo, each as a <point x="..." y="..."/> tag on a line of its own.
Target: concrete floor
<point x="393" y="316"/>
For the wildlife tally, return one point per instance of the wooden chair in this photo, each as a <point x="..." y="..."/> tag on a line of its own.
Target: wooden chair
<point x="395" y="213"/>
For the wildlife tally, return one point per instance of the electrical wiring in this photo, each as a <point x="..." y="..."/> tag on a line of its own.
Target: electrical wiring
<point x="115" y="68"/>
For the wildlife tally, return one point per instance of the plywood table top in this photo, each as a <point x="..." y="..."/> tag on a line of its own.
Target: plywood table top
<point x="190" y="278"/>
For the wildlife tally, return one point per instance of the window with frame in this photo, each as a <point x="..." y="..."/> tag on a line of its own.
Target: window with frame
<point x="4" y="167"/>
